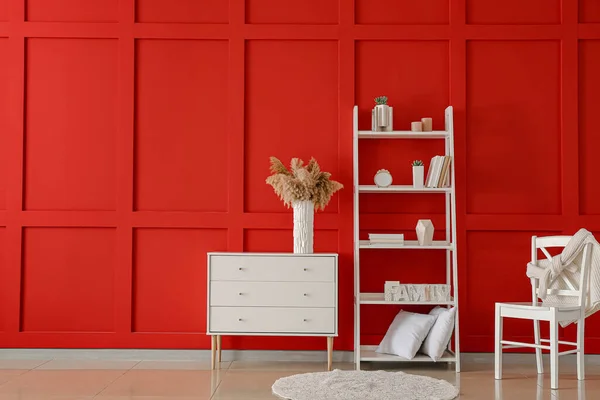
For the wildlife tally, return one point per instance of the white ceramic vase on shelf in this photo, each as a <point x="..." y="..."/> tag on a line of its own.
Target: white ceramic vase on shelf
<point x="304" y="221"/>
<point x="425" y="232"/>
<point x="382" y="118"/>
<point x="418" y="176"/>
<point x="383" y="114"/>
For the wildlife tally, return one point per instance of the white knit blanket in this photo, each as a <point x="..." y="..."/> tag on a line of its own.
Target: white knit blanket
<point x="569" y="263"/>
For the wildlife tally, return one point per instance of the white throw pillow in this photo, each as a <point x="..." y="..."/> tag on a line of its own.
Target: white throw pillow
<point x="439" y="336"/>
<point x="406" y="334"/>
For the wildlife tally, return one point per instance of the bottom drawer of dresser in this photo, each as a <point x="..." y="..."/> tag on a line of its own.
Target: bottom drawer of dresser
<point x="272" y="320"/>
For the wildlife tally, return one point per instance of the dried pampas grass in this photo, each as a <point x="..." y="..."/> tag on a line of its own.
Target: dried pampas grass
<point x="302" y="182"/>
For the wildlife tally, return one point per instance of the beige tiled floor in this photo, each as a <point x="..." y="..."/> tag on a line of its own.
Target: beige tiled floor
<point x="251" y="380"/>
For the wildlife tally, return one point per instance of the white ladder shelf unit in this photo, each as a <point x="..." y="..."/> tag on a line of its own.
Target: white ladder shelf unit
<point x="367" y="352"/>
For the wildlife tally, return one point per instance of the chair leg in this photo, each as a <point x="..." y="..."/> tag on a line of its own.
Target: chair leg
<point x="538" y="352"/>
<point x="553" y="351"/>
<point x="580" y="347"/>
<point x="498" y="395"/>
<point x="498" y="344"/>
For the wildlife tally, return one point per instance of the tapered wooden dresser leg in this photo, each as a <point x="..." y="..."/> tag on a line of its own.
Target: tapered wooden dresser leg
<point x="213" y="351"/>
<point x="329" y="352"/>
<point x="219" y="349"/>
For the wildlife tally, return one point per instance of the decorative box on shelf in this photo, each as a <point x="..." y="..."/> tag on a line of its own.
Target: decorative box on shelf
<point x="395" y="291"/>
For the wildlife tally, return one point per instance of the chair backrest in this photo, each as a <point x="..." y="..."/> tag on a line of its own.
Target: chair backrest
<point x="575" y="289"/>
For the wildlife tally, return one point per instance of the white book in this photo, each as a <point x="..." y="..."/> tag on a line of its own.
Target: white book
<point x="448" y="173"/>
<point x="440" y="171"/>
<point x="386" y="236"/>
<point x="430" y="171"/>
<point x="435" y="168"/>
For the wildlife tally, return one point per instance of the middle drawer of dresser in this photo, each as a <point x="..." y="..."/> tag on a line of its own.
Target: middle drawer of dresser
<point x="265" y="294"/>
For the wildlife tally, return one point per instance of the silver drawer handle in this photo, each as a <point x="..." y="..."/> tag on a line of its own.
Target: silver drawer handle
<point x="239" y="320"/>
<point x="305" y="320"/>
<point x="305" y="294"/>
<point x="240" y="269"/>
<point x="239" y="294"/>
<point x="305" y="269"/>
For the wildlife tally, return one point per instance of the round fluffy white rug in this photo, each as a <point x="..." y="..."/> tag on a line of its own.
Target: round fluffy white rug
<point x="363" y="385"/>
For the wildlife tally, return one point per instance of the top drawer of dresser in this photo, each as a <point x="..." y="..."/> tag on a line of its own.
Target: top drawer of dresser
<point x="274" y="268"/>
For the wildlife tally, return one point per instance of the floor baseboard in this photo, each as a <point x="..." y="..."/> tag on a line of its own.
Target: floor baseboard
<point x="172" y="355"/>
<point x="242" y="355"/>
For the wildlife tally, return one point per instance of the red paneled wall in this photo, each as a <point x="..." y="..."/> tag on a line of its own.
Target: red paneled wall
<point x="135" y="136"/>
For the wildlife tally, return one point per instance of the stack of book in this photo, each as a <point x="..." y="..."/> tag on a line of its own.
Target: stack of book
<point x="438" y="174"/>
<point x="386" y="238"/>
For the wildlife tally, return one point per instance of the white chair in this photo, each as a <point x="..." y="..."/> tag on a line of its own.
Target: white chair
<point x="553" y="314"/>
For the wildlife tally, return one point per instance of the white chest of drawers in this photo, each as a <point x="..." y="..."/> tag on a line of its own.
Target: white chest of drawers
<point x="272" y="294"/>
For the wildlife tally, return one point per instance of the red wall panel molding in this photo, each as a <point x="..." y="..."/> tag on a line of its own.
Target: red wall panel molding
<point x="68" y="280"/>
<point x="293" y="12"/>
<point x="3" y="289"/>
<point x="71" y="124"/>
<point x="291" y="100"/>
<point x="4" y="11"/>
<point x="589" y="85"/>
<point x="181" y="117"/>
<point x="166" y="259"/>
<point x="4" y="111"/>
<point x="135" y="137"/>
<point x="501" y="115"/>
<point x="513" y="12"/>
<point x="72" y="10"/>
<point x="589" y="11"/>
<point x="402" y="12"/>
<point x="198" y="12"/>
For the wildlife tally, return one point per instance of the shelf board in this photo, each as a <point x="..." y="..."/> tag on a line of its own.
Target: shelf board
<point x="402" y="135"/>
<point x="408" y="244"/>
<point x="401" y="189"/>
<point x="367" y="353"/>
<point x="379" y="298"/>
